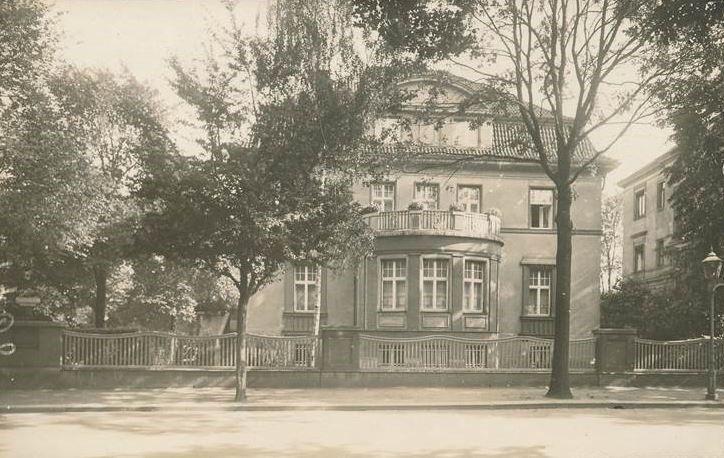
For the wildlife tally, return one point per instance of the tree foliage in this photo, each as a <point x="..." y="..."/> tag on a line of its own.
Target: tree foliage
<point x="155" y="294"/>
<point x="656" y="314"/>
<point x="285" y="119"/>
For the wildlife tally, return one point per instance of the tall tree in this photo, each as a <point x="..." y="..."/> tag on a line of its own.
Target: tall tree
<point x="118" y="125"/>
<point x="285" y="119"/>
<point x="611" y="243"/>
<point x="555" y="56"/>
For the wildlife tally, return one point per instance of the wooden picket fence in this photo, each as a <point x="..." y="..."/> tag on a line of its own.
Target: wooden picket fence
<point x="164" y="350"/>
<point x="447" y="353"/>
<point x="679" y="355"/>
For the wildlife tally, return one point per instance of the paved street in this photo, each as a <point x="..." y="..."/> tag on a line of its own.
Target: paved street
<point x="445" y="433"/>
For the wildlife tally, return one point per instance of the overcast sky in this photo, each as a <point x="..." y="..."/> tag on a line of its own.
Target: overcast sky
<point x="141" y="35"/>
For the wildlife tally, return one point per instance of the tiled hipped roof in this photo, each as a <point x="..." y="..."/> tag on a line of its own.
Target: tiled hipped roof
<point x="510" y="141"/>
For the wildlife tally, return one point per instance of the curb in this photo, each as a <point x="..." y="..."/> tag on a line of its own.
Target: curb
<point x="80" y="408"/>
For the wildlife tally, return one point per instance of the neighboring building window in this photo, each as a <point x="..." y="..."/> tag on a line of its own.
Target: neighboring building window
<point x="394" y="284"/>
<point x="660" y="253"/>
<point x="305" y="287"/>
<point x="539" y="291"/>
<point x="638" y="258"/>
<point x="474" y="287"/>
<point x="640" y="203"/>
<point x="434" y="284"/>
<point x="660" y="195"/>
<point x="469" y="198"/>
<point x="541" y="208"/>
<point x="383" y="196"/>
<point x="427" y="195"/>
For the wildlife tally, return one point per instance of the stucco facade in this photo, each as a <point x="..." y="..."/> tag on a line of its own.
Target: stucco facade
<point x="648" y="234"/>
<point x="478" y="260"/>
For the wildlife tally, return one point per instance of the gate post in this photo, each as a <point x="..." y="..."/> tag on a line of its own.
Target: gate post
<point x="615" y="350"/>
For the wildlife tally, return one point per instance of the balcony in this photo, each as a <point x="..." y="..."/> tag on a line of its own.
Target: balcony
<point x="436" y="222"/>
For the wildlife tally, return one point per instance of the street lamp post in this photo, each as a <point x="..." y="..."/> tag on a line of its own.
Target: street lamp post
<point x="712" y="271"/>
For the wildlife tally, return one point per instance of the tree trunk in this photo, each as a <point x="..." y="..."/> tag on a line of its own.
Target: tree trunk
<point x="241" y="345"/>
<point x="560" y="383"/>
<point x="100" y="274"/>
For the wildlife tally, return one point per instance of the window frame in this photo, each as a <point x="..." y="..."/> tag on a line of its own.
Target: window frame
<point x="381" y="280"/>
<point x="306" y="283"/>
<point x="394" y="194"/>
<point x="425" y="183"/>
<point x="552" y="207"/>
<point x="485" y="306"/>
<point x="639" y="212"/>
<point x="477" y="187"/>
<point x="636" y="247"/>
<point x="435" y="280"/>
<point x="660" y="252"/>
<point x="527" y="268"/>
<point x="660" y="195"/>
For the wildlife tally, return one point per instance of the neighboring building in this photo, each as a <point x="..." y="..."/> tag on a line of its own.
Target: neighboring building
<point x="474" y="256"/>
<point x="648" y="223"/>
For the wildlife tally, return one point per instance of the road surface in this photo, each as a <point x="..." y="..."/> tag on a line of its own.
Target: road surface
<point x="545" y="433"/>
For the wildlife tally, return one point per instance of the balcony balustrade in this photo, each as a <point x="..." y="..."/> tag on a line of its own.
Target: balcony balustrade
<point x="436" y="222"/>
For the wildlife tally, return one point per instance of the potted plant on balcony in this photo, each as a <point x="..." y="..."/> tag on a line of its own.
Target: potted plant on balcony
<point x="415" y="213"/>
<point x="374" y="207"/>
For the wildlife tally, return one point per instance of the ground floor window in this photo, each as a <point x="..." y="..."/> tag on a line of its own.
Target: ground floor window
<point x="474" y="280"/>
<point x="305" y="287"/>
<point x="638" y="261"/>
<point x="434" y="284"/>
<point x="538" y="291"/>
<point x="394" y="284"/>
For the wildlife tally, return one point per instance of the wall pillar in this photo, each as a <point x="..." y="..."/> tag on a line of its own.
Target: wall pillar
<point x="340" y="349"/>
<point x="38" y="344"/>
<point x="615" y="350"/>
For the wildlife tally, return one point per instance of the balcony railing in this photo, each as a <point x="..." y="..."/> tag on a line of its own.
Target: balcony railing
<point x="485" y="225"/>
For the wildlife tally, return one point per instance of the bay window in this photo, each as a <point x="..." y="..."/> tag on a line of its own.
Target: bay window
<point x="474" y="281"/>
<point x="393" y="284"/>
<point x="434" y="284"/>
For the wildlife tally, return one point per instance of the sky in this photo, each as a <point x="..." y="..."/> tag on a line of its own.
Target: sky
<point x="141" y="35"/>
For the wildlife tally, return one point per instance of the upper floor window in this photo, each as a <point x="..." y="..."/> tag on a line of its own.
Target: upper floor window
<point x="539" y="291"/>
<point x="638" y="261"/>
<point x="306" y="295"/>
<point x="640" y="203"/>
<point x="434" y="284"/>
<point x="469" y="198"/>
<point x="427" y="194"/>
<point x="383" y="196"/>
<point x="541" y="208"/>
<point x="394" y="284"/>
<point x="474" y="280"/>
<point x="660" y="195"/>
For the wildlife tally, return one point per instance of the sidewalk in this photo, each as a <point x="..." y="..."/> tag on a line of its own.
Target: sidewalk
<point x="400" y="398"/>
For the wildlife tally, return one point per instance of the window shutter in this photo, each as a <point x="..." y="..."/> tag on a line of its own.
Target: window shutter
<point x="526" y="292"/>
<point x="553" y="291"/>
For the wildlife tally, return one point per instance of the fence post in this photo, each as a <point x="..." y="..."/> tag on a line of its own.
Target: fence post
<point x="340" y="349"/>
<point x="615" y="350"/>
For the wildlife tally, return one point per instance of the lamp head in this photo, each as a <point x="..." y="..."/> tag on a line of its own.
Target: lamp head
<point x="712" y="266"/>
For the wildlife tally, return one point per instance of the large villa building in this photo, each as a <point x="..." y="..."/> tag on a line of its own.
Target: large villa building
<point x="465" y="238"/>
